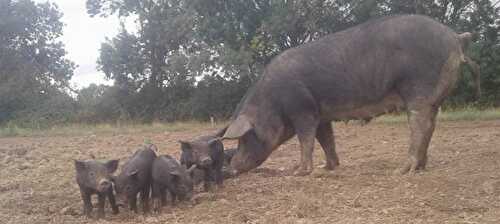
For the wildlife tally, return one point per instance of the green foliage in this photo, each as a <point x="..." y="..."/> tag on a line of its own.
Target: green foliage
<point x="98" y="104"/>
<point x="195" y="59"/>
<point x="34" y="72"/>
<point x="49" y="109"/>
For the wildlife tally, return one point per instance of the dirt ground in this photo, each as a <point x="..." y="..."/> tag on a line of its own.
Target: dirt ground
<point x="461" y="183"/>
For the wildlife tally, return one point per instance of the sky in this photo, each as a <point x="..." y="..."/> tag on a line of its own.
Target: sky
<point x="82" y="36"/>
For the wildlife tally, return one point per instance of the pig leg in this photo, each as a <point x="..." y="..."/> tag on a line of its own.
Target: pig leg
<point x="421" y="120"/>
<point x="207" y="181"/>
<point x="163" y="196"/>
<point x="305" y="127"/>
<point x="145" y="198"/>
<point x="173" y="197"/>
<point x="303" y="113"/>
<point x="219" y="176"/>
<point x="132" y="203"/>
<point x="326" y="139"/>
<point x="87" y="203"/>
<point x="112" y="201"/>
<point x="101" y="200"/>
<point x="156" y="195"/>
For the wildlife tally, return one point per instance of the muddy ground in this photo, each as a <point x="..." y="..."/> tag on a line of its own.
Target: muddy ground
<point x="461" y="183"/>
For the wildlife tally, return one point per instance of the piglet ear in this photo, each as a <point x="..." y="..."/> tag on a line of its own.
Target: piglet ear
<point x="112" y="165"/>
<point x="80" y="166"/>
<point x="185" y="145"/>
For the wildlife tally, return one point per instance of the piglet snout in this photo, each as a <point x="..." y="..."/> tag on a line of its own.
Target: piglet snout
<point x="206" y="161"/>
<point x="104" y="185"/>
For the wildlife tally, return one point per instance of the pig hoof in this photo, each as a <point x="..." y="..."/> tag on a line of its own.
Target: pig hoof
<point x="410" y="168"/>
<point x="329" y="166"/>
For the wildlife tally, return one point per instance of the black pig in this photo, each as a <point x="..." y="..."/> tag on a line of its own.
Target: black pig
<point x="94" y="177"/>
<point x="404" y="62"/>
<point x="226" y="169"/>
<point x="169" y="175"/>
<point x="135" y="178"/>
<point x="207" y="153"/>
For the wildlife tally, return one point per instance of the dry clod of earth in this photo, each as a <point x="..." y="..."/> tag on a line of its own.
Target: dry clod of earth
<point x="460" y="185"/>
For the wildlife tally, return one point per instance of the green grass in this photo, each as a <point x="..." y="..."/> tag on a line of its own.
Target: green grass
<point x="12" y="130"/>
<point x="91" y="129"/>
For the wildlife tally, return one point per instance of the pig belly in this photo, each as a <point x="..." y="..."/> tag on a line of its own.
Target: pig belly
<point x="392" y="102"/>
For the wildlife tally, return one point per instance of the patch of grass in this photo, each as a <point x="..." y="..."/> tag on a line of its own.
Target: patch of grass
<point x="12" y="130"/>
<point x="95" y="129"/>
<point x="461" y="114"/>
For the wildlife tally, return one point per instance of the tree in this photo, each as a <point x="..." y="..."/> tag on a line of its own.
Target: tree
<point x="99" y="103"/>
<point x="33" y="67"/>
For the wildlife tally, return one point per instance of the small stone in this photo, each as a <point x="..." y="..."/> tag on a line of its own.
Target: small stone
<point x="356" y="203"/>
<point x="151" y="220"/>
<point x="489" y="187"/>
<point x="7" y="159"/>
<point x="68" y="211"/>
<point x="21" y="152"/>
<point x="24" y="166"/>
<point x="320" y="173"/>
<point x="304" y="221"/>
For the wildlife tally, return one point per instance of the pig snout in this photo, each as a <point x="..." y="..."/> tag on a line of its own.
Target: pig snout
<point x="121" y="200"/>
<point x="229" y="172"/>
<point x="232" y="172"/>
<point x="207" y="161"/>
<point x="104" y="185"/>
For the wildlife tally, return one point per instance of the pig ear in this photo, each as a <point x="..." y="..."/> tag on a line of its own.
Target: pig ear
<point x="221" y="132"/>
<point x="191" y="169"/>
<point x="175" y="172"/>
<point x="185" y="145"/>
<point x="238" y="128"/>
<point x="80" y="166"/>
<point x="112" y="165"/>
<point x="153" y="147"/>
<point x="133" y="173"/>
<point x="212" y="142"/>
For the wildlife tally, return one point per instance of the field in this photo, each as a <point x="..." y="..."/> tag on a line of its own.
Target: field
<point x="461" y="183"/>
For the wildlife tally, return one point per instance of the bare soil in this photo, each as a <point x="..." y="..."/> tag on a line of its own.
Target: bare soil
<point x="461" y="183"/>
